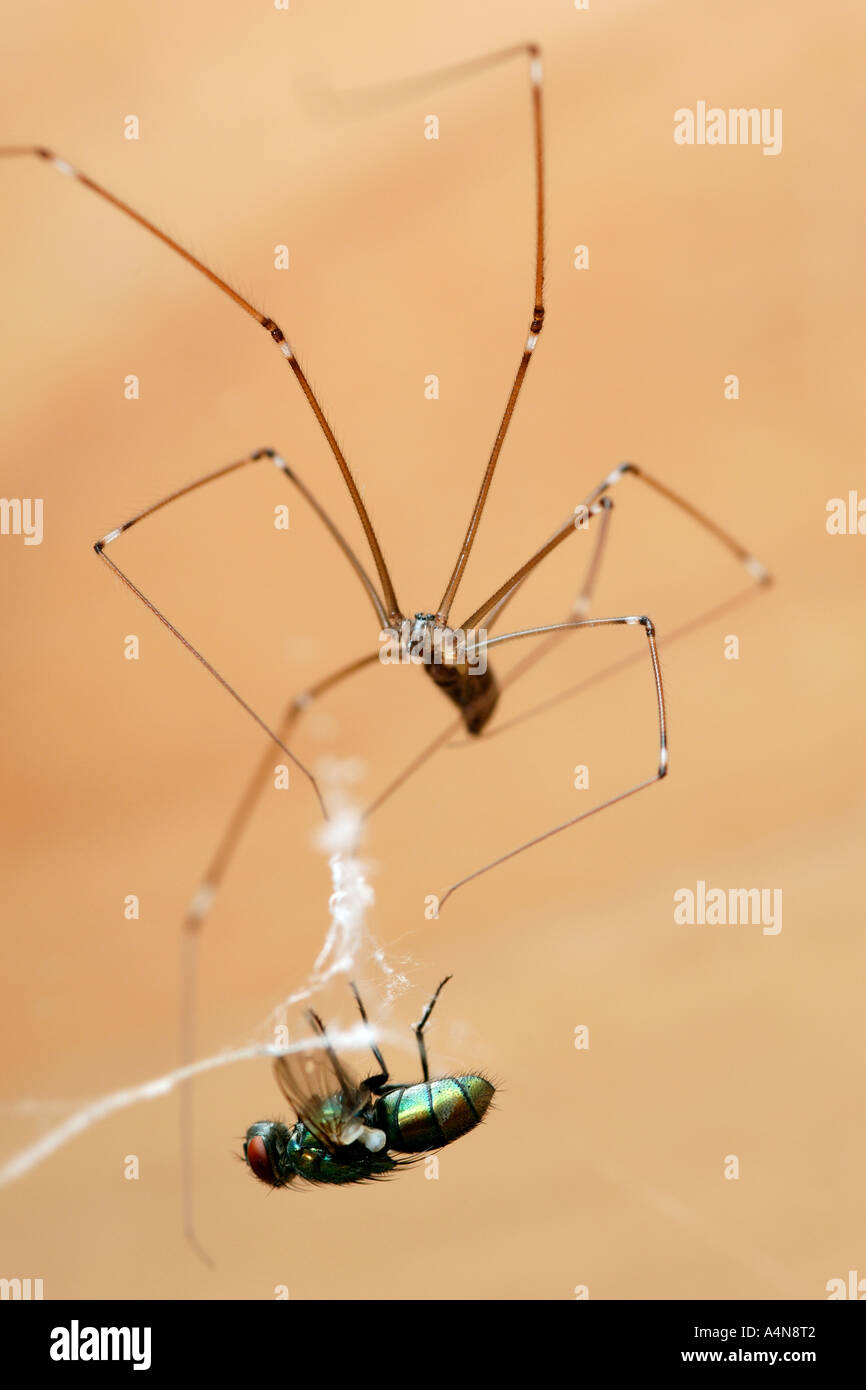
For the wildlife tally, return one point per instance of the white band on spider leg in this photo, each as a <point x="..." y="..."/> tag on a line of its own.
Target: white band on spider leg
<point x="531" y="341"/>
<point x="286" y="350"/>
<point x="617" y="473"/>
<point x="62" y="166"/>
<point x="535" y="71"/>
<point x="112" y="536"/>
<point x="202" y="902"/>
<point x="755" y="568"/>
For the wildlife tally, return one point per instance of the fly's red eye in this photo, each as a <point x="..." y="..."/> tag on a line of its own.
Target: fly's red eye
<point x="257" y="1158"/>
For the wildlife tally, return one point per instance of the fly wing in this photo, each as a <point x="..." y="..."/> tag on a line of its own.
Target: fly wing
<point x="322" y="1091"/>
<point x="295" y="1077"/>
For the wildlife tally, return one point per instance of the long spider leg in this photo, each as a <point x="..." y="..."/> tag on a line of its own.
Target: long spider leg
<point x="362" y="100"/>
<point x="492" y="608"/>
<point x="579" y="608"/>
<point x="211" y="880"/>
<point x="100" y="548"/>
<point x="175" y="632"/>
<point x="589" y="508"/>
<point x="411" y="768"/>
<point x="272" y="328"/>
<point x="675" y="635"/>
<point x="201" y="904"/>
<point x="533" y="53"/>
<point x="205" y="894"/>
<point x="627" y="621"/>
<point x="334" y="531"/>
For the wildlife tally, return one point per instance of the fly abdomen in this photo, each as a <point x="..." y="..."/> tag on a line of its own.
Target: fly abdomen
<point x="432" y="1113"/>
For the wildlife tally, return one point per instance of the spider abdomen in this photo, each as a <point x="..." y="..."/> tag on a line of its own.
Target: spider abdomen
<point x="474" y="692"/>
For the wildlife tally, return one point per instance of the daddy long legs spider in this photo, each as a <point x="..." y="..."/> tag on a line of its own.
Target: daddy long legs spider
<point x="474" y="692"/>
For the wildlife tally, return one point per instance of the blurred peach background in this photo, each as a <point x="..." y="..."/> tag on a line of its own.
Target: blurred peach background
<point x="601" y="1167"/>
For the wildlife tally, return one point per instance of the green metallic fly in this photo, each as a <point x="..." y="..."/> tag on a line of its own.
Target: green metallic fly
<point x="346" y="1135"/>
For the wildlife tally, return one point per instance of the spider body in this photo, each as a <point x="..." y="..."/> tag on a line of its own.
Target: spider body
<point x="457" y="666"/>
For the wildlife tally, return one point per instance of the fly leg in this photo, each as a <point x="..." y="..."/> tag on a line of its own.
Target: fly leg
<point x="378" y="1084"/>
<point x="418" y="1029"/>
<point x="381" y="1084"/>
